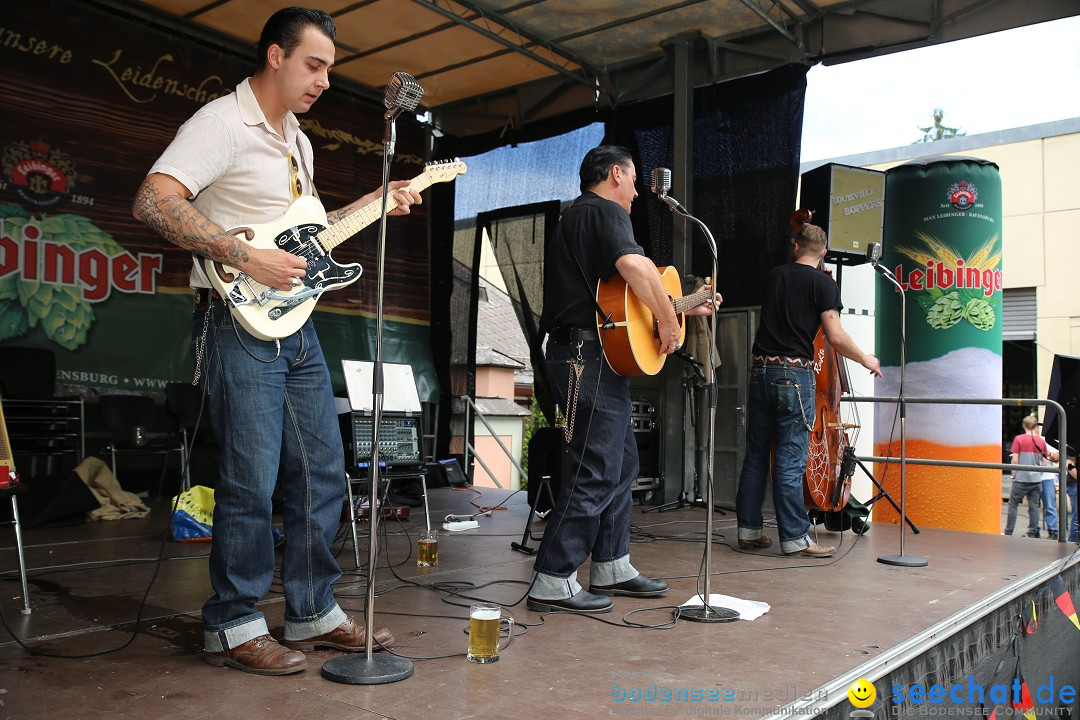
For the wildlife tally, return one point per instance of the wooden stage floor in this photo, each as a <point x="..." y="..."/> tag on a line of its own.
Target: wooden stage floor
<point x="827" y="618"/>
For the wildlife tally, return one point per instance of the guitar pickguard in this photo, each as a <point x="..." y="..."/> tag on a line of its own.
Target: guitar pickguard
<point x="323" y="272"/>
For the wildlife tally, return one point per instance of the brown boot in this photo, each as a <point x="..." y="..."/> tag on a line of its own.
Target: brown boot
<point x="262" y="655"/>
<point x="814" y="551"/>
<point x="347" y="636"/>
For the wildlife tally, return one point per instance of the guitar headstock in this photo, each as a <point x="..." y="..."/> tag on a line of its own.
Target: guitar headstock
<point x="444" y="170"/>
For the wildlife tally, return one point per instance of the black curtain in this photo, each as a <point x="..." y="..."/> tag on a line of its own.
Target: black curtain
<point x="747" y="139"/>
<point x="747" y="136"/>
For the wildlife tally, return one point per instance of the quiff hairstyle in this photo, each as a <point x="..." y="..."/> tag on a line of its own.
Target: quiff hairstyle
<point x="285" y="29"/>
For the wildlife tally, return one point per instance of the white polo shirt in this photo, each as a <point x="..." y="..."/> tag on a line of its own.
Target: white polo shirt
<point x="235" y="164"/>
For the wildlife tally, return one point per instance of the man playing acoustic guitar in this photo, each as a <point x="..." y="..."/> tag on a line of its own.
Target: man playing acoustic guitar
<point x="799" y="299"/>
<point x="242" y="159"/>
<point x="591" y="516"/>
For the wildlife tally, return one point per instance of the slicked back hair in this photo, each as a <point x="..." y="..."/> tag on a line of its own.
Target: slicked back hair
<point x="285" y="28"/>
<point x="598" y="163"/>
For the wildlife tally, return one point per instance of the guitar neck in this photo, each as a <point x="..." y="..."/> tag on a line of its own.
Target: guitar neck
<point x="691" y="301"/>
<point x="353" y="223"/>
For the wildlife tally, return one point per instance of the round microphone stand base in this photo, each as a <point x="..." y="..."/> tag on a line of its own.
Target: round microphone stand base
<point x="359" y="669"/>
<point x="708" y="614"/>
<point x="903" y="560"/>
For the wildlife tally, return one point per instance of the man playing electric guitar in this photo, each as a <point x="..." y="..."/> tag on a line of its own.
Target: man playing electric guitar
<point x="242" y="159"/>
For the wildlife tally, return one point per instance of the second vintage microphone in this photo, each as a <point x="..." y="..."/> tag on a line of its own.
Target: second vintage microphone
<point x="873" y="256"/>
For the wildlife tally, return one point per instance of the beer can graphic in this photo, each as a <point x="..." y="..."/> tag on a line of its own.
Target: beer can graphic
<point x="942" y="241"/>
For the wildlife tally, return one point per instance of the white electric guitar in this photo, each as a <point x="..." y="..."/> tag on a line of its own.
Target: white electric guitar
<point x="269" y="313"/>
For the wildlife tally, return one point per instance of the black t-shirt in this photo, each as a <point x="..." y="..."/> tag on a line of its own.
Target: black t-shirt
<point x="599" y="231"/>
<point x="795" y="297"/>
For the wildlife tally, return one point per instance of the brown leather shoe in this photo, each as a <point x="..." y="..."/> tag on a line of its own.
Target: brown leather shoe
<point x="347" y="636"/>
<point x="758" y="543"/>
<point x="814" y="551"/>
<point x="262" y="655"/>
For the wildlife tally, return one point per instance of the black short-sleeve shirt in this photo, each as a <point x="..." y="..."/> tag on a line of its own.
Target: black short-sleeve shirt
<point x="599" y="232"/>
<point x="795" y="297"/>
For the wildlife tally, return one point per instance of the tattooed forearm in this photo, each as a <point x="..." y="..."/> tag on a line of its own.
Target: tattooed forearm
<point x="179" y="222"/>
<point x="339" y="215"/>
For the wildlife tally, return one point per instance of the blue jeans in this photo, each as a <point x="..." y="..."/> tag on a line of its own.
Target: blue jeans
<point x="781" y="406"/>
<point x="1070" y="489"/>
<point x="1049" y="500"/>
<point x="270" y="405"/>
<point x="591" y="516"/>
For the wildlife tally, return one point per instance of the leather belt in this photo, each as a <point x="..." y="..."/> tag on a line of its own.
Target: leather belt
<point x="572" y="335"/>
<point x="782" y="361"/>
<point x="203" y="296"/>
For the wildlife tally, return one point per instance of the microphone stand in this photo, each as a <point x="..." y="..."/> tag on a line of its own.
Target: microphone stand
<point x="371" y="669"/>
<point x="706" y="613"/>
<point x="901" y="559"/>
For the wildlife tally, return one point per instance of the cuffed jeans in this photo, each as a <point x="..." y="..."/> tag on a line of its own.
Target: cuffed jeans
<point x="1070" y="489"/>
<point x="1020" y="490"/>
<point x="270" y="403"/>
<point x="591" y="516"/>
<point x="781" y="406"/>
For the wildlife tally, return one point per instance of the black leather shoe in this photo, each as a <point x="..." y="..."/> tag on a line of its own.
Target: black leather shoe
<point x="583" y="602"/>
<point x="639" y="586"/>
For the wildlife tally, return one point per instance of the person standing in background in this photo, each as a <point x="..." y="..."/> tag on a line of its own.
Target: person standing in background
<point x="1027" y="449"/>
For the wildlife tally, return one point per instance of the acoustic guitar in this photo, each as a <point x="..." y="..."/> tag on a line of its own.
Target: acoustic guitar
<point x="269" y="313"/>
<point x="632" y="346"/>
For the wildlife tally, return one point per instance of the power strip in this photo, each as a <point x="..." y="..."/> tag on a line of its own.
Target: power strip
<point x="459" y="525"/>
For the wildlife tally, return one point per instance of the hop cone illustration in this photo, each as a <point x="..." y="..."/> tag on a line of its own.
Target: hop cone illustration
<point x="64" y="316"/>
<point x="945" y="312"/>
<point x="980" y="313"/>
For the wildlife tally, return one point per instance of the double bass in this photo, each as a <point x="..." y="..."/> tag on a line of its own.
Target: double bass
<point x="830" y="462"/>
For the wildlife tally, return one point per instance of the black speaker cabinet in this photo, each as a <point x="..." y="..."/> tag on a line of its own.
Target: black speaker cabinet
<point x="849" y="204"/>
<point x="1065" y="390"/>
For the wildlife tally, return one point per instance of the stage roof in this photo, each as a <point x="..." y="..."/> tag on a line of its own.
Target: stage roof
<point x="489" y="64"/>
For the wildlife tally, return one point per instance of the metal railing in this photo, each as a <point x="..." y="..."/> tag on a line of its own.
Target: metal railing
<point x="1062" y="473"/>
<point x="470" y="410"/>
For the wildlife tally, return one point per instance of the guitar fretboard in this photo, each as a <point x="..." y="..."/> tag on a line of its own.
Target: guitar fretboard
<point x="691" y="301"/>
<point x="353" y="223"/>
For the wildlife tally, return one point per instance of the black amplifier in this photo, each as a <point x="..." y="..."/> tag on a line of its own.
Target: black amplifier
<point x="399" y="439"/>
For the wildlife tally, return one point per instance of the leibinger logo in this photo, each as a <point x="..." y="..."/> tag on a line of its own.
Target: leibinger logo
<point x="962" y="195"/>
<point x="964" y="698"/>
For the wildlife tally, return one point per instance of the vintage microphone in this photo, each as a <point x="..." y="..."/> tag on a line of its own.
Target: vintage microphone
<point x="873" y="256"/>
<point x="661" y="183"/>
<point x="403" y="93"/>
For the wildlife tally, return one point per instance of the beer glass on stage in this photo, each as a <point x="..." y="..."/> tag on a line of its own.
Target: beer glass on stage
<point x="485" y="619"/>
<point x="427" y="549"/>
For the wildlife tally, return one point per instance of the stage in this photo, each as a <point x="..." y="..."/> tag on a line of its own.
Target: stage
<point x="830" y="622"/>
